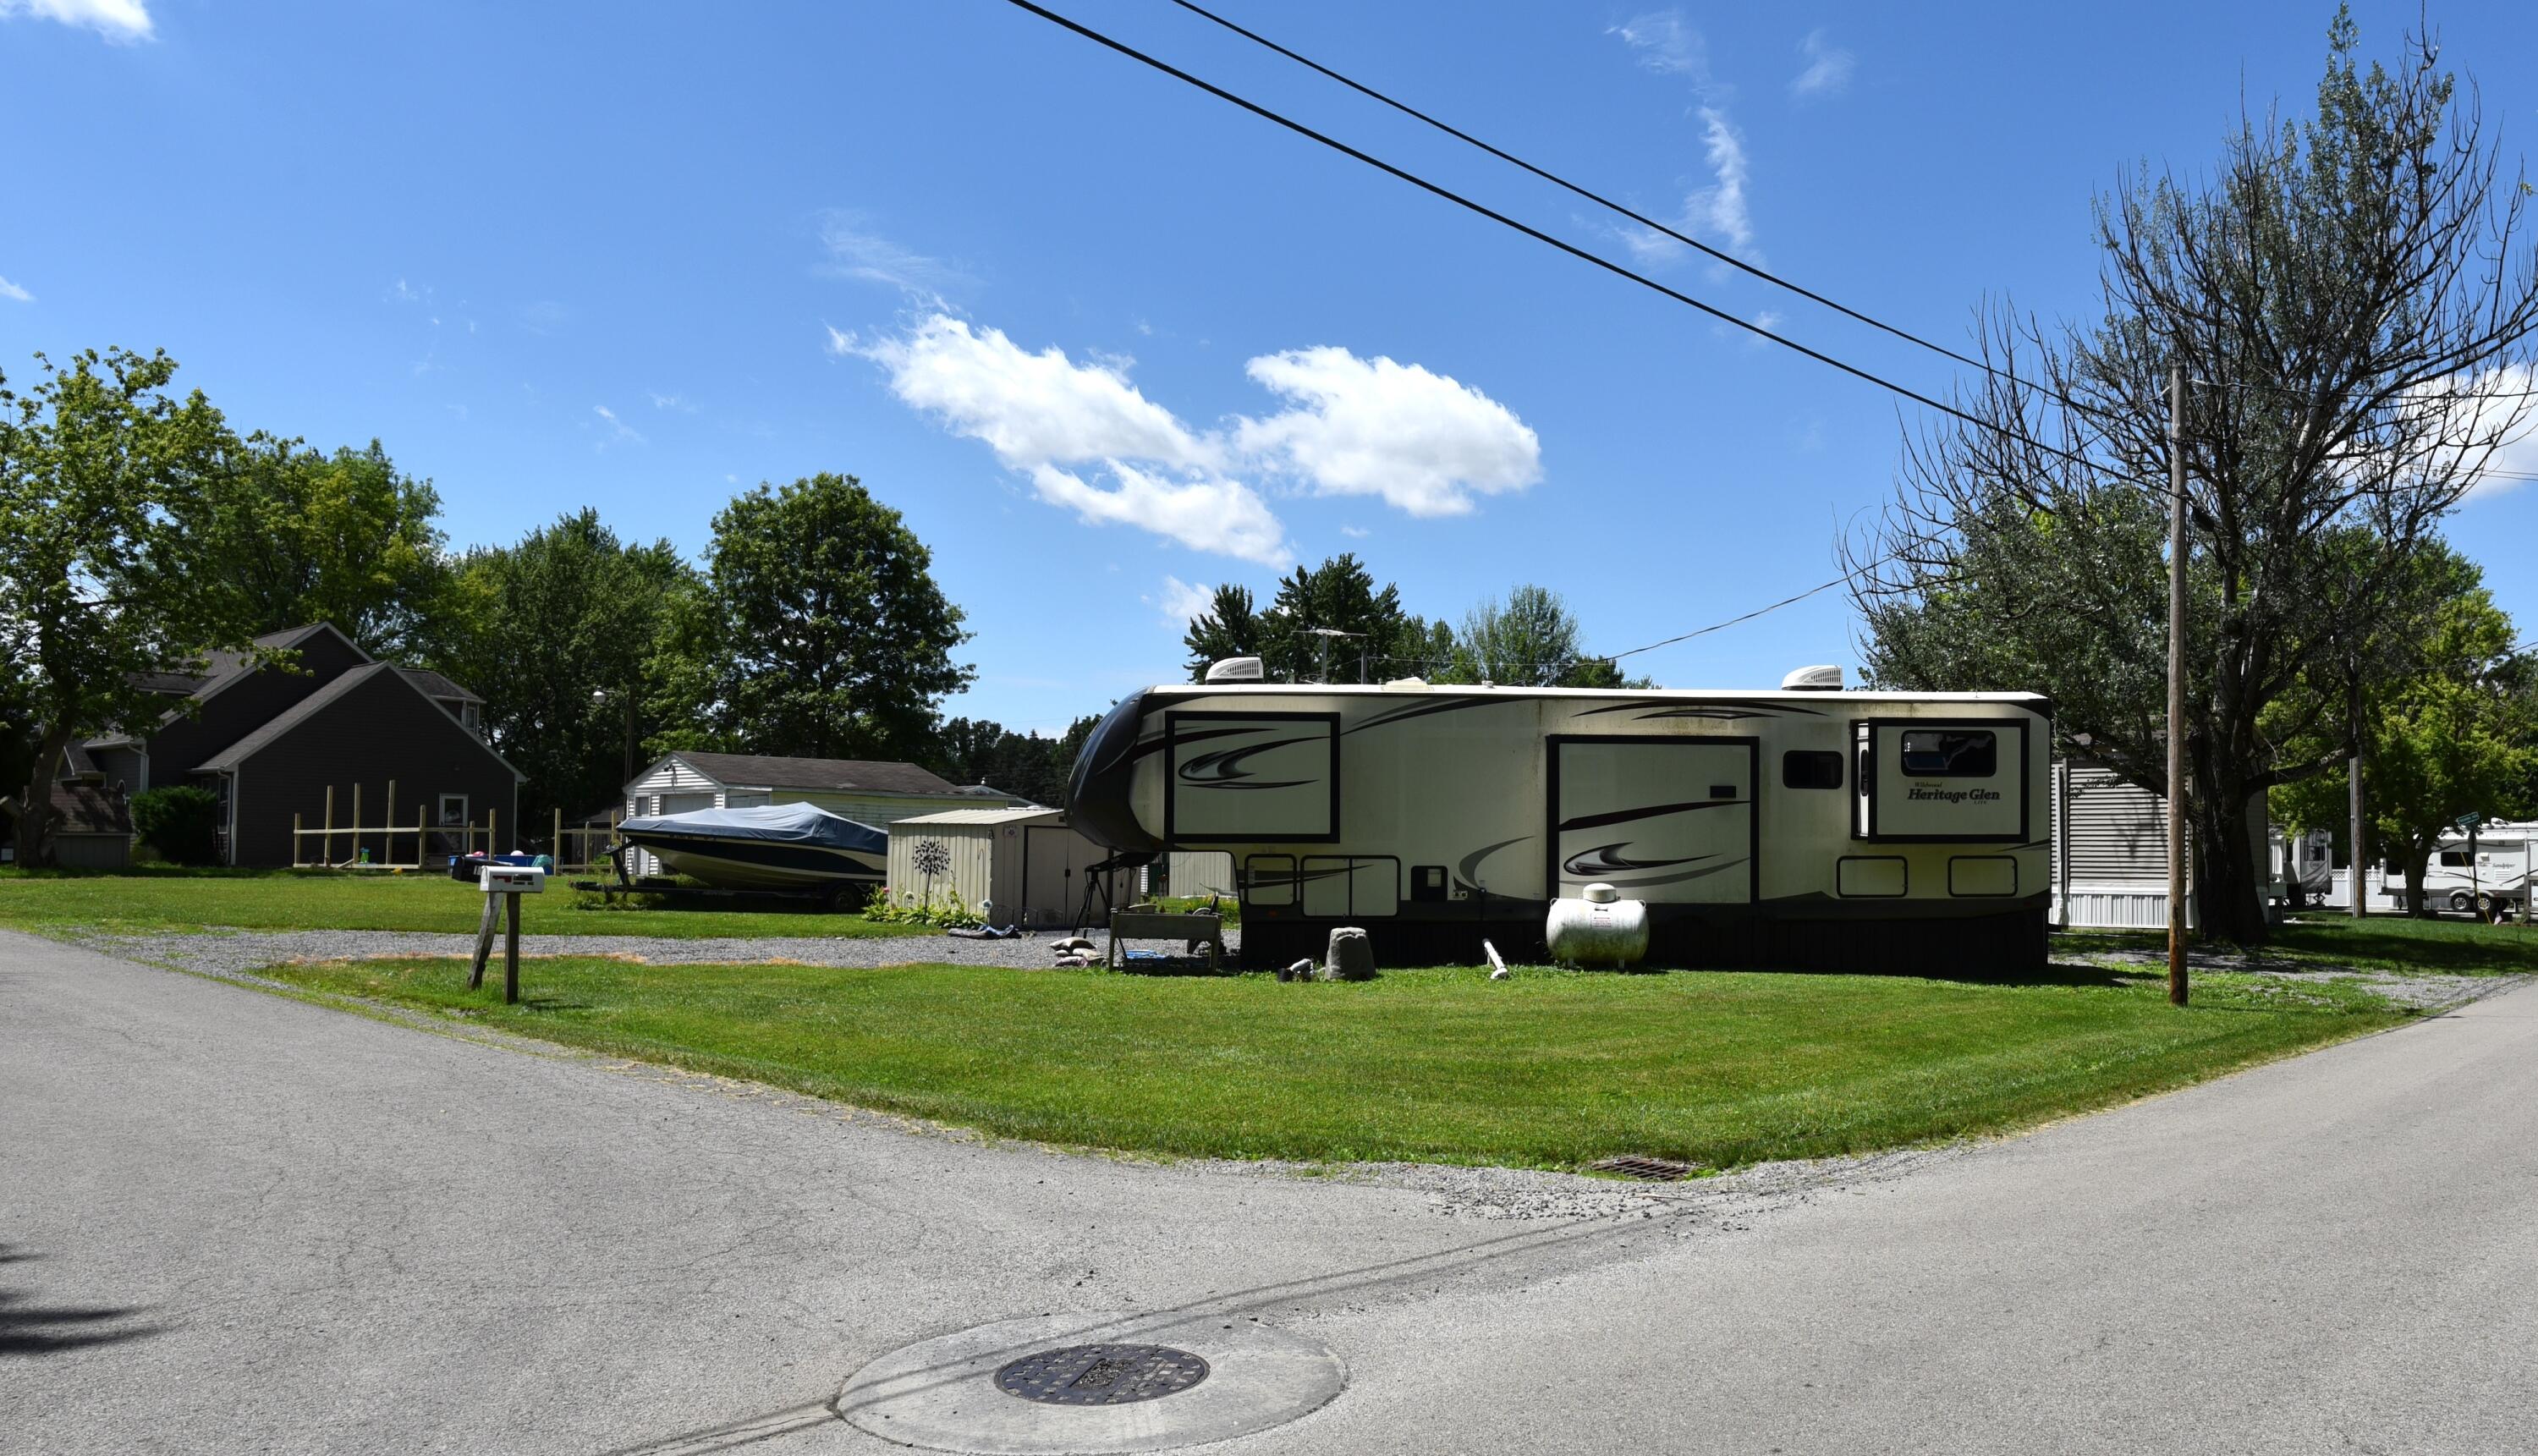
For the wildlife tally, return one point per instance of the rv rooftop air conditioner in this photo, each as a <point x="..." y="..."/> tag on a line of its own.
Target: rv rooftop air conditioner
<point x="1234" y="670"/>
<point x="1824" y="679"/>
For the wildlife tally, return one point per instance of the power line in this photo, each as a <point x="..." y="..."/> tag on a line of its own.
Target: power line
<point x="1537" y="235"/>
<point x="1600" y="200"/>
<point x="1703" y="632"/>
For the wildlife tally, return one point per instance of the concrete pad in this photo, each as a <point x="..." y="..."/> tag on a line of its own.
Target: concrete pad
<point x="942" y="1393"/>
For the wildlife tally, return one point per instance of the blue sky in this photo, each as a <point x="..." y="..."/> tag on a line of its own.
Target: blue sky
<point x="638" y="256"/>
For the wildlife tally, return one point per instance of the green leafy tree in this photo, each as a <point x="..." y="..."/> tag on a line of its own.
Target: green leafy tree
<point x="111" y="491"/>
<point x="1339" y="595"/>
<point x="2456" y="736"/>
<point x="1229" y="627"/>
<point x="341" y="537"/>
<point x="971" y="750"/>
<point x="1530" y="639"/>
<point x="2353" y="294"/>
<point x="560" y="635"/>
<point x="818" y="629"/>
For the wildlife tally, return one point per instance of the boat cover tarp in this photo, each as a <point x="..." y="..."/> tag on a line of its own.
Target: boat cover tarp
<point x="779" y="824"/>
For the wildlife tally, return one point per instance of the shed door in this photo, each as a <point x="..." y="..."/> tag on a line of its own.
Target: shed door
<point x="684" y="803"/>
<point x="1664" y="820"/>
<point x="1054" y="859"/>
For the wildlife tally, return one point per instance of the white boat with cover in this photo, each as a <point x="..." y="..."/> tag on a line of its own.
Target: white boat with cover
<point x="779" y="846"/>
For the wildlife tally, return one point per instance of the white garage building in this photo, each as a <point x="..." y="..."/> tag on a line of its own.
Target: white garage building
<point x="1025" y="863"/>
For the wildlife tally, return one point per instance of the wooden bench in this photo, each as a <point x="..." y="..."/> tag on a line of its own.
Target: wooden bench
<point x="1155" y="925"/>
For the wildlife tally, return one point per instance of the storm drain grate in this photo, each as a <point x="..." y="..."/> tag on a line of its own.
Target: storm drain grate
<point x="1647" y="1169"/>
<point x="1101" y="1374"/>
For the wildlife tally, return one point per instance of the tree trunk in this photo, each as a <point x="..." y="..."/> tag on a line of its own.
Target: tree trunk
<point x="2419" y="863"/>
<point x="35" y="817"/>
<point x="2229" y="884"/>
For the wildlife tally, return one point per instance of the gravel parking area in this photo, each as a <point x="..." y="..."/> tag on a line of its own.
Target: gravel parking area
<point x="230" y="953"/>
<point x="2423" y="992"/>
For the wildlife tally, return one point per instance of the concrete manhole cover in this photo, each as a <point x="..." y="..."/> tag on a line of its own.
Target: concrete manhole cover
<point x="1101" y="1374"/>
<point x="1092" y="1383"/>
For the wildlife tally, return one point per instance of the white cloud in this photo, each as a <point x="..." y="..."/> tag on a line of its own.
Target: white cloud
<point x="840" y="343"/>
<point x="662" y="401"/>
<point x="1356" y="533"/>
<point x="1031" y="409"/>
<point x="1181" y="603"/>
<point x="1717" y="213"/>
<point x="1420" y="440"/>
<point x="11" y="292"/>
<point x="115" y="20"/>
<point x="1208" y="513"/>
<point x="1719" y="208"/>
<point x="619" y="432"/>
<point x="857" y="251"/>
<point x="1828" y="71"/>
<point x="1665" y="43"/>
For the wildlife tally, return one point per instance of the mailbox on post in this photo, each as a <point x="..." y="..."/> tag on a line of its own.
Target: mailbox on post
<point x="503" y="885"/>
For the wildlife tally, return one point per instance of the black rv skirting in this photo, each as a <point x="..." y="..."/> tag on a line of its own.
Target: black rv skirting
<point x="2011" y="943"/>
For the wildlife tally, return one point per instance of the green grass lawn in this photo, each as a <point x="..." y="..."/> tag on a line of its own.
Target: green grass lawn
<point x="1549" y="1069"/>
<point x="2378" y="943"/>
<point x="288" y="900"/>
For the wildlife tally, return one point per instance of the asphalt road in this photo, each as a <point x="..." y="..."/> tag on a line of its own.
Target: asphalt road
<point x="231" y="1222"/>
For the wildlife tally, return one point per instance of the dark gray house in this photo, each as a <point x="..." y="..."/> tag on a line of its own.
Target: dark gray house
<point x="271" y="739"/>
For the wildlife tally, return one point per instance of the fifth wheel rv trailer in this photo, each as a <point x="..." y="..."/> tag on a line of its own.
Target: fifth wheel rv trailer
<point x="1807" y="825"/>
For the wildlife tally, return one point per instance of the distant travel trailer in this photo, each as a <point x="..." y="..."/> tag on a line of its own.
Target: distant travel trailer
<point x="2466" y="876"/>
<point x="1807" y="825"/>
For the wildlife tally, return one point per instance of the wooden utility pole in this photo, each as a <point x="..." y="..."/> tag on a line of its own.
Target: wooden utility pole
<point x="2177" y="985"/>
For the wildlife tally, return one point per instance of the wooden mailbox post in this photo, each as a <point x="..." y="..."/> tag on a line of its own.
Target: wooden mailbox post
<point x="503" y="885"/>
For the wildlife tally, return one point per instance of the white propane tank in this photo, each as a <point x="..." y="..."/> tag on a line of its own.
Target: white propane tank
<point x="1603" y="929"/>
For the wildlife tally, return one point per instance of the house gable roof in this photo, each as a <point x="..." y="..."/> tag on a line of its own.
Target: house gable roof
<point x="224" y="668"/>
<point x="229" y="758"/>
<point x="433" y="685"/>
<point x="833" y="775"/>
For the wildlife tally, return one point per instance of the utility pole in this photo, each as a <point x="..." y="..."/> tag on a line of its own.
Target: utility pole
<point x="2176" y="986"/>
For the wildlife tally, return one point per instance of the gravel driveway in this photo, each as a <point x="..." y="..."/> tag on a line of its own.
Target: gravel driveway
<point x="228" y="952"/>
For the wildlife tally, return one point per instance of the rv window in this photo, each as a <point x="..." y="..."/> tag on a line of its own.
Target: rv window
<point x="2452" y="859"/>
<point x="1807" y="770"/>
<point x="1932" y="753"/>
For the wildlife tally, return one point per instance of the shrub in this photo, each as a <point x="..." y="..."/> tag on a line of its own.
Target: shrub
<point x="952" y="912"/>
<point x="182" y="823"/>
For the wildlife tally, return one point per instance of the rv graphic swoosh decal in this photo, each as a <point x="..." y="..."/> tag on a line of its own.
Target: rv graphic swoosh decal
<point x="1625" y="816"/>
<point x="1467" y="873"/>
<point x="1646" y="882"/>
<point x="1222" y="770"/>
<point x="1606" y="859"/>
<point x="1722" y="710"/>
<point x="1420" y="710"/>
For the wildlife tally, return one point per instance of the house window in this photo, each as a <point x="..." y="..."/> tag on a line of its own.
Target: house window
<point x="454" y="811"/>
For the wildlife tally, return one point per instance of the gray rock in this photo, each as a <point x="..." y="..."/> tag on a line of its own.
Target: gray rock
<point x="1350" y="956"/>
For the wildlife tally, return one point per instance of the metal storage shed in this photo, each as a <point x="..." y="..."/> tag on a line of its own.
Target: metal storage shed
<point x="1025" y="863"/>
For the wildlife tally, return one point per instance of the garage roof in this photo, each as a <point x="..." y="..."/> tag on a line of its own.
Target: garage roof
<point x="980" y="817"/>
